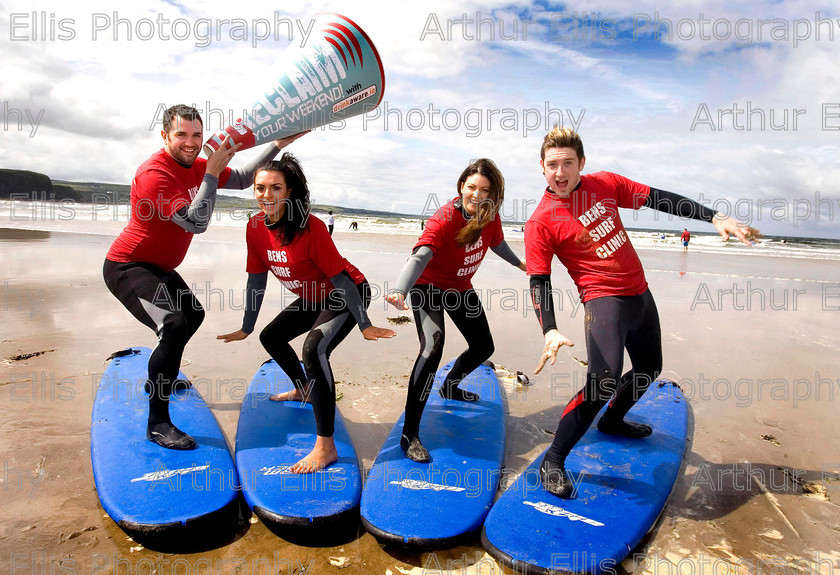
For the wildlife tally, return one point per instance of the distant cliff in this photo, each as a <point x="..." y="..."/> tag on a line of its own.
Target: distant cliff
<point x="22" y="184"/>
<point x="26" y="185"/>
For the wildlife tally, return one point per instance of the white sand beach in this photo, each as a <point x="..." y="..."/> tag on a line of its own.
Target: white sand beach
<point x="752" y="340"/>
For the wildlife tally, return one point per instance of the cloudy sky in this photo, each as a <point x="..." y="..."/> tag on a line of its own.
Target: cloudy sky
<point x="735" y="104"/>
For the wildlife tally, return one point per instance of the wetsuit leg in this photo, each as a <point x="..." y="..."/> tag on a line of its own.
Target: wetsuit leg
<point x="644" y="346"/>
<point x="610" y="324"/>
<point x="469" y="317"/>
<point x="427" y="307"/>
<point x="296" y="319"/>
<point x="606" y="323"/>
<point x="163" y="302"/>
<point x="331" y="327"/>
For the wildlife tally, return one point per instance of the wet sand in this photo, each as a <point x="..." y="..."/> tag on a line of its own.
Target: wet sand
<point x="753" y="341"/>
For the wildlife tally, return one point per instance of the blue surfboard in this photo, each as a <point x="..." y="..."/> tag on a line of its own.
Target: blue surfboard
<point x="622" y="485"/>
<point x="159" y="496"/>
<point x="270" y="438"/>
<point x="438" y="504"/>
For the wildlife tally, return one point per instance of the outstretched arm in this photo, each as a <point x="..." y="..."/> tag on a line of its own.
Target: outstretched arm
<point x="347" y="289"/>
<point x="544" y="307"/>
<point x="413" y="269"/>
<point x="503" y="251"/>
<point x="678" y="205"/>
<point x="241" y="178"/>
<point x="254" y="293"/>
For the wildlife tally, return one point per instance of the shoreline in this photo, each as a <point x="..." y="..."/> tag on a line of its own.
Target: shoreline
<point x="818" y="250"/>
<point x="65" y="209"/>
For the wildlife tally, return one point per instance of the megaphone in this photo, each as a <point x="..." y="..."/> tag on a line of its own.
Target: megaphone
<point x="336" y="75"/>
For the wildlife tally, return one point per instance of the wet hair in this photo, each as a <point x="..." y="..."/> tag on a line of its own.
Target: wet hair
<point x="562" y="138"/>
<point x="296" y="215"/>
<point x="488" y="208"/>
<point x="179" y="111"/>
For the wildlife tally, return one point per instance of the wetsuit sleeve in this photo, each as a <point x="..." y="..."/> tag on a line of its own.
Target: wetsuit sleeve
<point x="678" y="205"/>
<point x="254" y="293"/>
<point x="503" y="251"/>
<point x="347" y="288"/>
<point x="241" y="178"/>
<point x="195" y="217"/>
<point x="543" y="302"/>
<point x="413" y="269"/>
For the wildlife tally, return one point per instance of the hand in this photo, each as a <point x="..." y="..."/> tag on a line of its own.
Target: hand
<point x="373" y="333"/>
<point x="553" y="341"/>
<point x="522" y="265"/>
<point x="726" y="226"/>
<point x="397" y="300"/>
<point x="283" y="142"/>
<point x="233" y="336"/>
<point x="218" y="160"/>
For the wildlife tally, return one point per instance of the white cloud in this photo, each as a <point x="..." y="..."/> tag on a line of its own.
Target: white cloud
<point x="636" y="100"/>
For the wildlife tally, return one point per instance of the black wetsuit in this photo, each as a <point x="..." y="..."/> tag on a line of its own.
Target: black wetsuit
<point x="611" y="325"/>
<point x="326" y="309"/>
<point x="139" y="269"/>
<point x="434" y="261"/>
<point x="326" y="324"/>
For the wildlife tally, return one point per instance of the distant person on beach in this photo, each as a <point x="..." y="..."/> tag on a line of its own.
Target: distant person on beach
<point x="438" y="277"/>
<point x="330" y="222"/>
<point x="685" y="238"/>
<point x="332" y="296"/>
<point x="172" y="198"/>
<point x="578" y="221"/>
<point x="354" y="226"/>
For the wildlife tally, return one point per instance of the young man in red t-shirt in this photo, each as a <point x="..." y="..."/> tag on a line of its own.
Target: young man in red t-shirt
<point x="578" y="221"/>
<point x="685" y="238"/>
<point x="172" y="197"/>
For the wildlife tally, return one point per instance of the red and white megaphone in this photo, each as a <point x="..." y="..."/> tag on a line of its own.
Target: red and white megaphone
<point x="336" y="75"/>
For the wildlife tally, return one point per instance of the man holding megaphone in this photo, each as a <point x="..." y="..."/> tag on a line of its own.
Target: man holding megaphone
<point x="172" y="197"/>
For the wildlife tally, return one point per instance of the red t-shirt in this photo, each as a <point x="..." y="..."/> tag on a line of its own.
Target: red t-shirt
<point x="586" y="234"/>
<point x="305" y="266"/>
<point x="453" y="266"/>
<point x="160" y="187"/>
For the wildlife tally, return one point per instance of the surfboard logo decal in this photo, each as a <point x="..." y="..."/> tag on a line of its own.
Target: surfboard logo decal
<point x="549" y="509"/>
<point x="167" y="473"/>
<point x="287" y="469"/>
<point x="275" y="470"/>
<point x="417" y="485"/>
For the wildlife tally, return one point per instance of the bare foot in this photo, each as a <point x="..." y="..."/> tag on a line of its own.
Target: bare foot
<point x="321" y="455"/>
<point x="294" y="395"/>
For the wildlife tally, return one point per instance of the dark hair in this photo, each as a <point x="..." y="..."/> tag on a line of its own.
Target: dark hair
<point x="487" y="209"/>
<point x="296" y="215"/>
<point x="179" y="111"/>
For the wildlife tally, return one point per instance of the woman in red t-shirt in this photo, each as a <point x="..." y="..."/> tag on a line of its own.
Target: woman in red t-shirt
<point x="333" y="296"/>
<point x="437" y="277"/>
